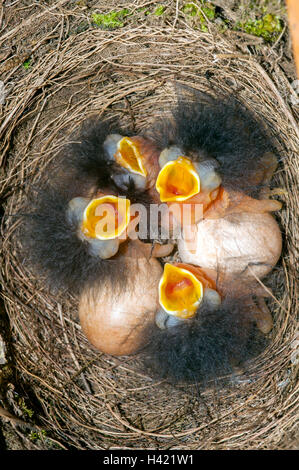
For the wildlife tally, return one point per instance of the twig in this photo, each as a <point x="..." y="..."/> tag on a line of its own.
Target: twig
<point x="31" y="19"/>
<point x="176" y="14"/>
<point x="86" y="384"/>
<point x="269" y="81"/>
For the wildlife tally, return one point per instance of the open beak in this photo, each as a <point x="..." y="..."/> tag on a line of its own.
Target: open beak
<point x="178" y="180"/>
<point x="180" y="291"/>
<point x="106" y="218"/>
<point x="128" y="156"/>
<point x="188" y="185"/>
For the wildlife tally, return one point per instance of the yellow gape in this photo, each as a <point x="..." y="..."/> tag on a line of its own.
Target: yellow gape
<point x="178" y="180"/>
<point x="106" y="218"/>
<point x="180" y="292"/>
<point x="128" y="156"/>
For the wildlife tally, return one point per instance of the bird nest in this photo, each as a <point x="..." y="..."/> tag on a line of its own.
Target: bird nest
<point x="80" y="397"/>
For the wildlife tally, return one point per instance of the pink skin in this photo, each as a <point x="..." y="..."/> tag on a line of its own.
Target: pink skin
<point x="241" y="249"/>
<point x="114" y="319"/>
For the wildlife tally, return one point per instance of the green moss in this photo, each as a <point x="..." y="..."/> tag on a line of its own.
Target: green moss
<point x="268" y="27"/>
<point x="35" y="436"/>
<point x="260" y="18"/>
<point x="159" y="10"/>
<point x="26" y="411"/>
<point x="209" y="12"/>
<point x="111" y="20"/>
<point x="26" y="64"/>
<point x="200" y="14"/>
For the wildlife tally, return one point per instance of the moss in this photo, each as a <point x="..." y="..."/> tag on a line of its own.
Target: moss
<point x="200" y="14"/>
<point x="209" y="12"/>
<point x="26" y="411"/>
<point x="268" y="27"/>
<point x="259" y="18"/>
<point x="111" y="20"/>
<point x="27" y="64"/>
<point x="35" y="436"/>
<point x="159" y="10"/>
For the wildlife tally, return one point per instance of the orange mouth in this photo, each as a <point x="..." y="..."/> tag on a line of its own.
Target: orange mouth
<point x="180" y="291"/>
<point x="106" y="218"/>
<point x="178" y="180"/>
<point x="128" y="156"/>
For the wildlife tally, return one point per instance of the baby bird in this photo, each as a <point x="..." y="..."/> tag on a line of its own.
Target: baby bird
<point x="222" y="133"/>
<point x="116" y="317"/>
<point x="100" y="172"/>
<point x="202" y="333"/>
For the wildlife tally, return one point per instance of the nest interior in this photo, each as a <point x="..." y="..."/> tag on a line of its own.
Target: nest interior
<point x="85" y="399"/>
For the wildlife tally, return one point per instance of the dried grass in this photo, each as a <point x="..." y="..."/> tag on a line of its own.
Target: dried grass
<point x="82" y="398"/>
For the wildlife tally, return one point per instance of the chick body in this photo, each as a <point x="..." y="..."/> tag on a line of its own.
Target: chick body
<point x="246" y="245"/>
<point x="115" y="318"/>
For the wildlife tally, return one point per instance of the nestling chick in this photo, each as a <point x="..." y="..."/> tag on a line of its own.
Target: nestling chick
<point x="202" y="332"/>
<point x="92" y="166"/>
<point x="240" y="246"/>
<point x="221" y="131"/>
<point x="116" y="317"/>
<point x="103" y="158"/>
